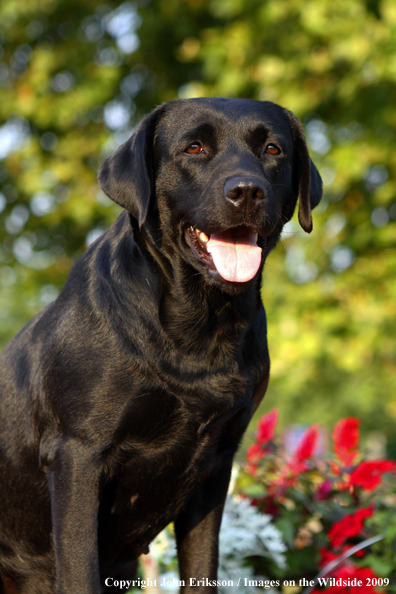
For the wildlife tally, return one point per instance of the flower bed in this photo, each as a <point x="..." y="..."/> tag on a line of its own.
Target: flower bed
<point x="330" y="509"/>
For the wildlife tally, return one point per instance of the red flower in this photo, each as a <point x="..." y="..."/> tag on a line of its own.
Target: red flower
<point x="307" y="444"/>
<point x="254" y="454"/>
<point x="349" y="526"/>
<point x="364" y="575"/>
<point x="323" y="490"/>
<point x="349" y="574"/>
<point x="268" y="506"/>
<point x="326" y="556"/>
<point x="266" y="427"/>
<point x="368" y="474"/>
<point x="346" y="438"/>
<point x="335" y="467"/>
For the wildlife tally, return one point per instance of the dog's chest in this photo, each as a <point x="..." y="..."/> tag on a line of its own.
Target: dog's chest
<point x="160" y="473"/>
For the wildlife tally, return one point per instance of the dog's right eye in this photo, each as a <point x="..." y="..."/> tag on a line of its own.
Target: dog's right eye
<point x="272" y="149"/>
<point x="194" y="149"/>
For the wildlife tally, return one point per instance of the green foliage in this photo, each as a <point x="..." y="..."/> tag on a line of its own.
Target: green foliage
<point x="382" y="557"/>
<point x="76" y="76"/>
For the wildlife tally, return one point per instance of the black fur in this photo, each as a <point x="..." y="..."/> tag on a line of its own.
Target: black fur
<point x="123" y="402"/>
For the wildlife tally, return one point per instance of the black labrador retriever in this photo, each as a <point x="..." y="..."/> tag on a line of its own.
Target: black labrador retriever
<point x="123" y="402"/>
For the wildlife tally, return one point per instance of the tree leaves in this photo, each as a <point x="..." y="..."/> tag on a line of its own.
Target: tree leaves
<point x="76" y="77"/>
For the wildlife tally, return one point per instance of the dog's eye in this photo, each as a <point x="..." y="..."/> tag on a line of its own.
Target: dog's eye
<point x="194" y="149"/>
<point x="272" y="149"/>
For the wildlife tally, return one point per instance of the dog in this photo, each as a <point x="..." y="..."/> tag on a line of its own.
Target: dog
<point x="123" y="402"/>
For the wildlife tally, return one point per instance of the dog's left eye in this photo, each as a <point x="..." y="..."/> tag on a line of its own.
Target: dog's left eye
<point x="272" y="149"/>
<point x="194" y="149"/>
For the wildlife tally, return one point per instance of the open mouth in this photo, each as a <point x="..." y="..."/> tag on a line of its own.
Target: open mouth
<point x="233" y="253"/>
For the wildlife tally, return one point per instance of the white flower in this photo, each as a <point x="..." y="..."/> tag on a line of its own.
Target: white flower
<point x="245" y="532"/>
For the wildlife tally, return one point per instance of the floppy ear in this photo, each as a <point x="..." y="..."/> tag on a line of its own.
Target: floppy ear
<point x="127" y="176"/>
<point x="310" y="182"/>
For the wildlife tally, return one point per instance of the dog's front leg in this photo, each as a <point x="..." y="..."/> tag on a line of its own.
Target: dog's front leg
<point x="73" y="477"/>
<point x="197" y="533"/>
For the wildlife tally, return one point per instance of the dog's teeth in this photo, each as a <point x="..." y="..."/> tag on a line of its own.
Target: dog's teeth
<point x="203" y="237"/>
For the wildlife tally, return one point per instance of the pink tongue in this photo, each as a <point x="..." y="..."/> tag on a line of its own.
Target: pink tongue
<point x="235" y="254"/>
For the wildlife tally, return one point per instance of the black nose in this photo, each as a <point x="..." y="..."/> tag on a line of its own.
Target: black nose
<point x="244" y="192"/>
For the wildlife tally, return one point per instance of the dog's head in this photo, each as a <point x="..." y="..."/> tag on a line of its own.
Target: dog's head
<point x="220" y="177"/>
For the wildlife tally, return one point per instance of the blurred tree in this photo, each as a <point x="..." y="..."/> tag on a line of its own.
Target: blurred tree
<point x="75" y="77"/>
<point x="334" y="64"/>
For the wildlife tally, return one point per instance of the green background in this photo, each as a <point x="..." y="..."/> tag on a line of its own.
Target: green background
<point x="76" y="77"/>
